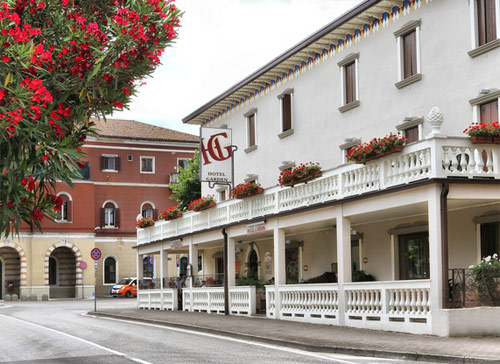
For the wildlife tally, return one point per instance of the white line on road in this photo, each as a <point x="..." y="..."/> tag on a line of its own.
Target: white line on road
<point x="80" y="339"/>
<point x="269" y="346"/>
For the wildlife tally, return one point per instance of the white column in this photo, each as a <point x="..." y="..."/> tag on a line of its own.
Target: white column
<point x="163" y="267"/>
<point x="343" y="260"/>
<point x="435" y="256"/>
<point x="139" y="267"/>
<point x="193" y="260"/>
<point x="279" y="267"/>
<point x="231" y="265"/>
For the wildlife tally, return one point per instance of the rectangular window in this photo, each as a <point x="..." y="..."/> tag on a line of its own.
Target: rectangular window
<point x="286" y="112"/>
<point x="251" y="130"/>
<point x="147" y="165"/>
<point x="486" y="21"/>
<point x="410" y="54"/>
<point x="414" y="256"/>
<point x="489" y="112"/>
<point x="490" y="233"/>
<point x="350" y="82"/>
<point x="223" y="195"/>
<point x="182" y="162"/>
<point x="109" y="163"/>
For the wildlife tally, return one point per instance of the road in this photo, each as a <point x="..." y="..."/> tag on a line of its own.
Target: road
<point x="62" y="332"/>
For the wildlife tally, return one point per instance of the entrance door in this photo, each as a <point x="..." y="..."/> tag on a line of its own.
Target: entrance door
<point x="490" y="236"/>
<point x="292" y="266"/>
<point x="414" y="256"/>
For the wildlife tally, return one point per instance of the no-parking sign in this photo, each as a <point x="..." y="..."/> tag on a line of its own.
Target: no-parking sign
<point x="83" y="265"/>
<point x="95" y="254"/>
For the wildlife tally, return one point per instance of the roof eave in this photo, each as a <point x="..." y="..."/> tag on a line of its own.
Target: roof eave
<point x="295" y="49"/>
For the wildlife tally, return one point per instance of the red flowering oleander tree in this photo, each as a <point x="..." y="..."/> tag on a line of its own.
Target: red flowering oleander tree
<point x="62" y="61"/>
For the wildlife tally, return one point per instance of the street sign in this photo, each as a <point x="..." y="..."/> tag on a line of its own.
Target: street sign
<point x="95" y="254"/>
<point x="83" y="265"/>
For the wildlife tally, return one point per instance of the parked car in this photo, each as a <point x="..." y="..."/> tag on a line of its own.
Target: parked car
<point x="127" y="287"/>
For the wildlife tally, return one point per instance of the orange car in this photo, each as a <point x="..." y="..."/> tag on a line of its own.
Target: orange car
<point x="126" y="287"/>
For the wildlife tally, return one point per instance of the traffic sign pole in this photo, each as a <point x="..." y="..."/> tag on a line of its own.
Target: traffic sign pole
<point x="96" y="255"/>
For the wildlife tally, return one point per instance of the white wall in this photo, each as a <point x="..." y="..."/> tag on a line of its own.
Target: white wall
<point x="450" y="79"/>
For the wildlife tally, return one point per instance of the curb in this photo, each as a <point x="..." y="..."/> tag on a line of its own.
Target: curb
<point x="310" y="347"/>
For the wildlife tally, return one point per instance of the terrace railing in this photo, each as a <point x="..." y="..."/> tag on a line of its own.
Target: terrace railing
<point x="211" y="300"/>
<point x="433" y="158"/>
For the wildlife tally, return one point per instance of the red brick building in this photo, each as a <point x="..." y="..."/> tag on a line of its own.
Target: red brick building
<point x="128" y="169"/>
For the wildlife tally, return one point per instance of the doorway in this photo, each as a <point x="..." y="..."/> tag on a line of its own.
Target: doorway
<point x="292" y="265"/>
<point x="62" y="273"/>
<point x="414" y="256"/>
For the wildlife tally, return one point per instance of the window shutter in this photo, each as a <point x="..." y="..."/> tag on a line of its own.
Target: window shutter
<point x="481" y="22"/>
<point x="490" y="15"/>
<point x="350" y="83"/>
<point x="101" y="220"/>
<point x="117" y="217"/>
<point x="69" y="211"/>
<point x="155" y="214"/>
<point x="117" y="163"/>
<point x="489" y="112"/>
<point x="410" y="54"/>
<point x="251" y="130"/>
<point x="102" y="163"/>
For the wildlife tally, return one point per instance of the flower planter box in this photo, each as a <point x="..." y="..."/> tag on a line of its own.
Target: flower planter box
<point x="395" y="149"/>
<point x="179" y="214"/>
<point x="482" y="139"/>
<point x="313" y="175"/>
<point x="259" y="191"/>
<point x="212" y="204"/>
<point x="496" y="140"/>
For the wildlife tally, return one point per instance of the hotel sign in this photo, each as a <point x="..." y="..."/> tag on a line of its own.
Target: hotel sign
<point x="216" y="156"/>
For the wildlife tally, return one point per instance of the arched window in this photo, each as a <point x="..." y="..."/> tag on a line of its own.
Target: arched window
<point x="110" y="215"/>
<point x="65" y="212"/>
<point x="109" y="270"/>
<point x="148" y="210"/>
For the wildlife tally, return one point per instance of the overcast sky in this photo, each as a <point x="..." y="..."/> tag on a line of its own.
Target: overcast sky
<point x="221" y="42"/>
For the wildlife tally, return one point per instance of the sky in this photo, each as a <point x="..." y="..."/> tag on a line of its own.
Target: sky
<point x="220" y="43"/>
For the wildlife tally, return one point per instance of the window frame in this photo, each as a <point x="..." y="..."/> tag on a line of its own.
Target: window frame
<point x="153" y="164"/>
<point x="281" y="97"/>
<point x="104" y="271"/>
<point x="408" y="28"/>
<point x="412" y="122"/>
<point x="484" y="97"/>
<point x="477" y="49"/>
<point x="345" y="147"/>
<point x="115" y="214"/>
<point x="178" y="164"/>
<point x="347" y="61"/>
<point x="153" y="209"/>
<point x="487" y="218"/>
<point x="223" y="190"/>
<point x="114" y="156"/>
<point x="248" y="115"/>
<point x="69" y="209"/>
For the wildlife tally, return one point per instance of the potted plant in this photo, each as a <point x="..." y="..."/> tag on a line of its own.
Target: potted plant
<point x="170" y="214"/>
<point x="144" y="222"/>
<point x="298" y="174"/>
<point x="202" y="203"/>
<point x="487" y="133"/>
<point x="376" y="148"/>
<point x="246" y="190"/>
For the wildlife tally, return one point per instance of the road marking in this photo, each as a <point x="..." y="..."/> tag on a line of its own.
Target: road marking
<point x="80" y="339"/>
<point x="5" y="306"/>
<point x="269" y="346"/>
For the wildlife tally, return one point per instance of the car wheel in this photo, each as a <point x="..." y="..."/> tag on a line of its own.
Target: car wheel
<point x="127" y="294"/>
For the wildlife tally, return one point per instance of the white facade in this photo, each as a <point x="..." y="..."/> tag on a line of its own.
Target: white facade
<point x="288" y="235"/>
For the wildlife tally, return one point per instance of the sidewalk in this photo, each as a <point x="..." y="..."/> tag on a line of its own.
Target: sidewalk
<point x="333" y="339"/>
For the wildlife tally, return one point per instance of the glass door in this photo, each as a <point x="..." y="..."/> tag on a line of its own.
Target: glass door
<point x="414" y="256"/>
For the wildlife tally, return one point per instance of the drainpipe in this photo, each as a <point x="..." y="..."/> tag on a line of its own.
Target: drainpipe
<point x="445" y="188"/>
<point x="226" y="278"/>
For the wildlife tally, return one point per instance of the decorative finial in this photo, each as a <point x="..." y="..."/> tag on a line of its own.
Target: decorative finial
<point x="435" y="119"/>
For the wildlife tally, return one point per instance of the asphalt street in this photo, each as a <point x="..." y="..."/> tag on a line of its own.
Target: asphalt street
<point x="62" y="332"/>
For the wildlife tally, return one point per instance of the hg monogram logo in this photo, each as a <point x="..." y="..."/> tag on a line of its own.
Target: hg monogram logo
<point x="212" y="151"/>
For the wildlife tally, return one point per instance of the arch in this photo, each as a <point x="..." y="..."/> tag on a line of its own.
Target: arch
<point x="78" y="259"/>
<point x="247" y="257"/>
<point x="65" y="194"/>
<point x="148" y="202"/>
<point x="110" y="201"/>
<point x="104" y="269"/>
<point x="2" y="275"/>
<point x="22" y="256"/>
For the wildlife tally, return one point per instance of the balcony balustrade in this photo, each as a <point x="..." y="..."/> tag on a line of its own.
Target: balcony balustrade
<point x="433" y="158"/>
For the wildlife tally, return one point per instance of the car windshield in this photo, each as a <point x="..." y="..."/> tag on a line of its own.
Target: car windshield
<point x="125" y="281"/>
